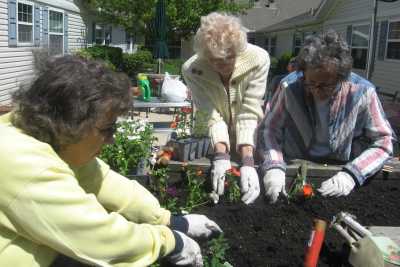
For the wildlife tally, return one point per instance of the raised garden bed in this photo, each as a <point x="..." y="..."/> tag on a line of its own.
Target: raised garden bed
<point x="275" y="235"/>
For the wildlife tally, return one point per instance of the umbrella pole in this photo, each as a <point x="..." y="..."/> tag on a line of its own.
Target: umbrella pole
<point x="159" y="63"/>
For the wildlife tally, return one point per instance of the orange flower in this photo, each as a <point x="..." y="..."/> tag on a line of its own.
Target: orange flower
<point x="235" y="171"/>
<point x="308" y="191"/>
<point x="173" y="125"/>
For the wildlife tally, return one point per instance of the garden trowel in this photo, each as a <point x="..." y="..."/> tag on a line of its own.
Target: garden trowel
<point x="372" y="247"/>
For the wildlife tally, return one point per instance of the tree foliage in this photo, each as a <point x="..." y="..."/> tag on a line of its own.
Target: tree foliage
<point x="137" y="16"/>
<point x="184" y="15"/>
<point x="132" y="15"/>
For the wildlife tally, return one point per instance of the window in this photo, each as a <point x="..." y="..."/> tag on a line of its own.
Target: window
<point x="270" y="45"/>
<point x="56" y="32"/>
<point x="359" y="46"/>
<point x="25" y="22"/>
<point x="393" y="42"/>
<point x="298" y="42"/>
<point x="102" y="34"/>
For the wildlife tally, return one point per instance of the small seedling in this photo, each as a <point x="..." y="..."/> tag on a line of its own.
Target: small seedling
<point x="232" y="188"/>
<point x="300" y="189"/>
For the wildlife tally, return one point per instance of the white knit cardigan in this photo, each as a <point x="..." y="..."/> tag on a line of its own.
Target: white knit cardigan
<point x="246" y="89"/>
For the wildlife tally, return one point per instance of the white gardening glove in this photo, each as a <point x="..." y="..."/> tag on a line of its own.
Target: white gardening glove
<point x="250" y="186"/>
<point x="220" y="166"/>
<point x="187" y="251"/>
<point x="274" y="183"/>
<point x="341" y="184"/>
<point x="195" y="225"/>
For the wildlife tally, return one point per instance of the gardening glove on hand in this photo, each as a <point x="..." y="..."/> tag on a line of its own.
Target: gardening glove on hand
<point x="187" y="251"/>
<point x="221" y="164"/>
<point x="250" y="186"/>
<point x="195" y="225"/>
<point x="340" y="184"/>
<point x="274" y="183"/>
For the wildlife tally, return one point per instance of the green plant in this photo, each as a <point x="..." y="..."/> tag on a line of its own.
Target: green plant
<point x="137" y="62"/>
<point x="196" y="193"/>
<point x="283" y="62"/>
<point x="232" y="188"/>
<point x="183" y="123"/>
<point x="216" y="252"/>
<point x="167" y="195"/>
<point x="133" y="143"/>
<point x="111" y="55"/>
<point x="300" y="189"/>
<point x="200" y="128"/>
<point x="173" y="66"/>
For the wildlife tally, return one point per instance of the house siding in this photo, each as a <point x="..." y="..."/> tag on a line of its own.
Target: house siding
<point x="352" y="12"/>
<point x="16" y="63"/>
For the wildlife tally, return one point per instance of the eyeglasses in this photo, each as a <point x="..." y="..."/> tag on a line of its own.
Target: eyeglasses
<point x="319" y="87"/>
<point x="109" y="131"/>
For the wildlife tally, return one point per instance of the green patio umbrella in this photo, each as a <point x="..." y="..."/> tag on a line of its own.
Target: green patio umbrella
<point x="160" y="31"/>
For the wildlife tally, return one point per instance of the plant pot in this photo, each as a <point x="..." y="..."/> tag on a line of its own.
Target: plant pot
<point x="200" y="147"/>
<point x="184" y="149"/>
<point x="141" y="168"/>
<point x="206" y="146"/>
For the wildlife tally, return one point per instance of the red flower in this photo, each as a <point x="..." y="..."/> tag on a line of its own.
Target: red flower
<point x="186" y="110"/>
<point x="308" y="191"/>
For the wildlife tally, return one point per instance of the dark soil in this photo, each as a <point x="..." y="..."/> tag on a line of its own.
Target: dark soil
<point x="275" y="235"/>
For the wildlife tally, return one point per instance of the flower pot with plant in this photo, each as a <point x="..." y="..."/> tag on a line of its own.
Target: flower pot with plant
<point x="184" y="145"/>
<point x="132" y="148"/>
<point x="200" y="133"/>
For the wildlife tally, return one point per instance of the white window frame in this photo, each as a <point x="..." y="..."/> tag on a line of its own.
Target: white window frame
<point x="360" y="47"/>
<point x="56" y="33"/>
<point x="390" y="40"/>
<point x="300" y="34"/>
<point x="268" y="44"/>
<point x="25" y="2"/>
<point x="104" y="38"/>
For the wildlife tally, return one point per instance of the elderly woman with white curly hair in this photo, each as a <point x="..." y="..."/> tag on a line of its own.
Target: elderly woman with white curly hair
<point x="227" y="77"/>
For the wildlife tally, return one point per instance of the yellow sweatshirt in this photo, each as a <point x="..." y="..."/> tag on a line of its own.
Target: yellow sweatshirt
<point x="237" y="109"/>
<point x="91" y="214"/>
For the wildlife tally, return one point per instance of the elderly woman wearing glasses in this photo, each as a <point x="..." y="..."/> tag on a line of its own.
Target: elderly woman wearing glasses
<point x="227" y="77"/>
<point x="56" y="197"/>
<point x="325" y="113"/>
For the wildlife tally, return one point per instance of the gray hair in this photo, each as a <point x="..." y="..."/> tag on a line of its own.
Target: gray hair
<point x="67" y="98"/>
<point x="326" y="50"/>
<point x="220" y="35"/>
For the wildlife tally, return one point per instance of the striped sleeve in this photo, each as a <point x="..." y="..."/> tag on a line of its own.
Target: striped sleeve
<point x="272" y="132"/>
<point x="380" y="133"/>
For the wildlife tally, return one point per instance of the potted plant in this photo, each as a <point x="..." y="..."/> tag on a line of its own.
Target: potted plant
<point x="132" y="148"/>
<point x="200" y="133"/>
<point x="183" y="144"/>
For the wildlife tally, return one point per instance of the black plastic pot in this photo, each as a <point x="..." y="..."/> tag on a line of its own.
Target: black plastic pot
<point x="184" y="149"/>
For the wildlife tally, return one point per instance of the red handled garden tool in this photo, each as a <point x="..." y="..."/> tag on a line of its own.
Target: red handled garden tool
<point x="372" y="247"/>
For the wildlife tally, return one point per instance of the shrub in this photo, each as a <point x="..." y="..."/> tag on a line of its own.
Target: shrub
<point x="173" y="66"/>
<point x="283" y="62"/>
<point x="109" y="54"/>
<point x="137" y="62"/>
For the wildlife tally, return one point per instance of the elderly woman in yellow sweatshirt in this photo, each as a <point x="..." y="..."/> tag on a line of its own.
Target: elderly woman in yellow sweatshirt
<point x="56" y="197"/>
<point x="227" y="77"/>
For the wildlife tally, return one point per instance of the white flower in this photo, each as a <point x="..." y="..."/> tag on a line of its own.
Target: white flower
<point x="133" y="137"/>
